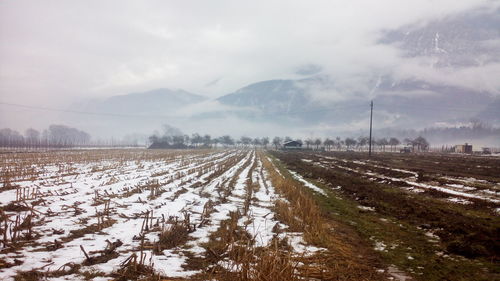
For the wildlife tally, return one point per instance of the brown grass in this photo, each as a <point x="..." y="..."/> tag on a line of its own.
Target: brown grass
<point x="174" y="234"/>
<point x="343" y="260"/>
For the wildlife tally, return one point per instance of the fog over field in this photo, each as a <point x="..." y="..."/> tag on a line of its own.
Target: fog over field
<point x="261" y="68"/>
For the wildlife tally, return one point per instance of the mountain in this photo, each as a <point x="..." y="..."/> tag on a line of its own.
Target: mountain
<point x="458" y="42"/>
<point x="132" y="113"/>
<point x="293" y="107"/>
<point x="152" y="102"/>
<point x="320" y="105"/>
<point x="277" y="100"/>
<point x="282" y="96"/>
<point x="469" y="39"/>
<point x="406" y="103"/>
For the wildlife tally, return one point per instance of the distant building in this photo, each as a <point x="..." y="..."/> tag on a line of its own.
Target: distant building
<point x="406" y="149"/>
<point x="463" y="148"/>
<point x="166" y="145"/>
<point x="292" y="145"/>
<point x="486" y="150"/>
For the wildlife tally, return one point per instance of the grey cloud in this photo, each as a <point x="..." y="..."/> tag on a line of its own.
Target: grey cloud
<point x="308" y="69"/>
<point x="57" y="52"/>
<point x="213" y="82"/>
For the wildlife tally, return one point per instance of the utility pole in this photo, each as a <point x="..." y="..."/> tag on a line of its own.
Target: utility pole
<point x="370" y="141"/>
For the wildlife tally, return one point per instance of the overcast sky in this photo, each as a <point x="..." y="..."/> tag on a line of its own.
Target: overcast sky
<point x="54" y="52"/>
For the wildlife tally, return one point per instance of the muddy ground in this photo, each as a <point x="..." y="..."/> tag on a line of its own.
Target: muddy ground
<point x="445" y="207"/>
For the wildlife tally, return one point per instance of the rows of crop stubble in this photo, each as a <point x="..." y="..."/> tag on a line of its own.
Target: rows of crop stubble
<point x="392" y="203"/>
<point x="141" y="214"/>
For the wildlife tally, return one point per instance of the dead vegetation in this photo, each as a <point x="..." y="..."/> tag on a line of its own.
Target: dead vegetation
<point x="469" y="231"/>
<point x="52" y="176"/>
<point x="343" y="259"/>
<point x="174" y="233"/>
<point x="105" y="255"/>
<point x="141" y="209"/>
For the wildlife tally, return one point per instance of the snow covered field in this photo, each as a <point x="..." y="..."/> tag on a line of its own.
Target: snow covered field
<point x="455" y="187"/>
<point x="75" y="214"/>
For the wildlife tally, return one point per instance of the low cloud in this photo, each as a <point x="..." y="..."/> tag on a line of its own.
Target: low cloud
<point x="65" y="51"/>
<point x="308" y="69"/>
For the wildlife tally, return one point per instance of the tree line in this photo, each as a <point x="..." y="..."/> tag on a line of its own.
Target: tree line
<point x="54" y="136"/>
<point x="197" y="140"/>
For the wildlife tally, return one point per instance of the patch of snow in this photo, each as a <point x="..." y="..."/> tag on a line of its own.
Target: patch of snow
<point x="307" y="183"/>
<point x="379" y="246"/>
<point x="460" y="186"/>
<point x="459" y="200"/>
<point x="366" y="208"/>
<point x="415" y="184"/>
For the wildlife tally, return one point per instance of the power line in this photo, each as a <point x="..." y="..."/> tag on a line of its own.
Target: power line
<point x="440" y="108"/>
<point x="163" y="116"/>
<point x="314" y="111"/>
<point x="86" y="112"/>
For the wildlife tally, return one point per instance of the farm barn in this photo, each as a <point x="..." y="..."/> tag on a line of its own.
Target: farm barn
<point x="292" y="145"/>
<point x="463" y="148"/>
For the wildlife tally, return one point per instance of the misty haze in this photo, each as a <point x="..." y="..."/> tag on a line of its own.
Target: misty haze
<point x="250" y="140"/>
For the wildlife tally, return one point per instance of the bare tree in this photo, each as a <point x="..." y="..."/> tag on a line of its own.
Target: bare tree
<point x="277" y="142"/>
<point x="309" y="142"/>
<point x="32" y="137"/>
<point x="339" y="142"/>
<point x="363" y="141"/>
<point x="349" y="142"/>
<point x="256" y="142"/>
<point x="421" y="143"/>
<point x="328" y="143"/>
<point x="11" y="138"/>
<point x="178" y="141"/>
<point x="153" y="139"/>
<point x="393" y="142"/>
<point x="207" y="140"/>
<point x="196" y="139"/>
<point x="227" y="140"/>
<point x="382" y="142"/>
<point x="216" y="141"/>
<point x="245" y="140"/>
<point x="317" y="142"/>
<point x="61" y="136"/>
<point x="265" y="141"/>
